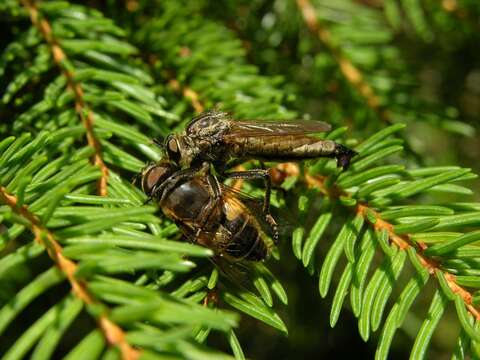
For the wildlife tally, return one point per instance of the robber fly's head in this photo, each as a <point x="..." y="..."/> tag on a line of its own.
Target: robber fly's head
<point x="155" y="174"/>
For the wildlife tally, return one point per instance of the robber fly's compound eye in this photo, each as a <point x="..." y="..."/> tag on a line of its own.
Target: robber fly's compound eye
<point x="173" y="149"/>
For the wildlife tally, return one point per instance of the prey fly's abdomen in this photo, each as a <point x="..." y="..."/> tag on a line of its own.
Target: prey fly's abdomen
<point x="246" y="241"/>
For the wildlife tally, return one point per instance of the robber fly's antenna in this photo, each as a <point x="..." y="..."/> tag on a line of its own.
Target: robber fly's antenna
<point x="159" y="141"/>
<point x="135" y="180"/>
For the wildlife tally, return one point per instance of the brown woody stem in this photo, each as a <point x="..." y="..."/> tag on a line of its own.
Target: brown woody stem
<point x="403" y="241"/>
<point x="348" y="69"/>
<point x="189" y="93"/>
<point x="84" y="112"/>
<point x="112" y="332"/>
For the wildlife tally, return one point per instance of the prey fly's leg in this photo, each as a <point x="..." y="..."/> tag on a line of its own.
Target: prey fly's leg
<point x="204" y="223"/>
<point x="214" y="186"/>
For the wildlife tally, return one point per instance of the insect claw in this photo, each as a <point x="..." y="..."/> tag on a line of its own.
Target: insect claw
<point x="343" y="155"/>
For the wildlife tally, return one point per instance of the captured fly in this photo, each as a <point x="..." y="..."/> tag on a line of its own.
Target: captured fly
<point x="215" y="138"/>
<point x="209" y="213"/>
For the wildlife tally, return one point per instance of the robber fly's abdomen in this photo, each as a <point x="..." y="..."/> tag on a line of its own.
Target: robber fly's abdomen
<point x="283" y="148"/>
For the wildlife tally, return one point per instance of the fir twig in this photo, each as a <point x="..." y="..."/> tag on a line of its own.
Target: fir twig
<point x="348" y="69"/>
<point x="403" y="242"/>
<point x="112" y="332"/>
<point x="82" y="109"/>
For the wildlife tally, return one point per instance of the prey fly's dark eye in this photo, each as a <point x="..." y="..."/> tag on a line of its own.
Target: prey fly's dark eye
<point x="155" y="175"/>
<point x="173" y="149"/>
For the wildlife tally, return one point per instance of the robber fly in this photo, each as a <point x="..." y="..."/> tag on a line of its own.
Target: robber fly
<point x="209" y="213"/>
<point x="215" y="138"/>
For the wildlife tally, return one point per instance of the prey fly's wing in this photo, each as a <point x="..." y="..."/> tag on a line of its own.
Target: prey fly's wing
<point x="248" y="203"/>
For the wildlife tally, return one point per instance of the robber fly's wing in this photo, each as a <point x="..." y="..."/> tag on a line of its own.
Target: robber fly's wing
<point x="265" y="128"/>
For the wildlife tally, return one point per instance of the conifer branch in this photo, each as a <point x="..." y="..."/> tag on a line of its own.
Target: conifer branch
<point x="403" y="241"/>
<point x="82" y="109"/>
<point x="348" y="69"/>
<point x="112" y="332"/>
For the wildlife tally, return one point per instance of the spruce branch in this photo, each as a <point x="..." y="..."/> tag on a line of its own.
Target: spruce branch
<point x="84" y="112"/>
<point x="404" y="236"/>
<point x="404" y="242"/>
<point x="349" y="70"/>
<point x="112" y="332"/>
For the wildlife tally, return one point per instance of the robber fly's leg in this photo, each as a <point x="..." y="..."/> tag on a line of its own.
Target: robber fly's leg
<point x="273" y="228"/>
<point x="265" y="175"/>
<point x="256" y="174"/>
<point x="214" y="185"/>
<point x="213" y="202"/>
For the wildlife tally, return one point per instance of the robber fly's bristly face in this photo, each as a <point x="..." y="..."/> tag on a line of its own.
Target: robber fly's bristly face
<point x="223" y="223"/>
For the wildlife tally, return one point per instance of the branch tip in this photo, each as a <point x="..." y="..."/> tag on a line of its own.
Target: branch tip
<point x="403" y="242"/>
